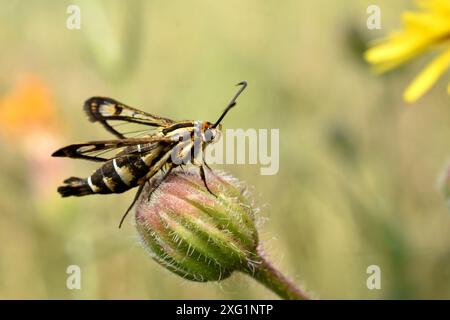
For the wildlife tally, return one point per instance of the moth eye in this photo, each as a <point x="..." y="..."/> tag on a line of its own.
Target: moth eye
<point x="212" y="135"/>
<point x="177" y="138"/>
<point x="209" y="135"/>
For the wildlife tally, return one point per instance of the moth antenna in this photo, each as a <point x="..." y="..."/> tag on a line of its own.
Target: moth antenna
<point x="232" y="103"/>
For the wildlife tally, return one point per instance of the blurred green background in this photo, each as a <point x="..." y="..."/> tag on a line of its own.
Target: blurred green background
<point x="358" y="174"/>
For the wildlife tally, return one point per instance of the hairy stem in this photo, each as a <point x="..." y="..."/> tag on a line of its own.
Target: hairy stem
<point x="274" y="280"/>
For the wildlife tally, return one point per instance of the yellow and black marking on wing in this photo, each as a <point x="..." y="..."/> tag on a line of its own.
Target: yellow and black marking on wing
<point x="103" y="110"/>
<point x="91" y="150"/>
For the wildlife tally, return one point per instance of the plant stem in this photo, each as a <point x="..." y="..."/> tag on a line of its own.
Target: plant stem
<point x="274" y="280"/>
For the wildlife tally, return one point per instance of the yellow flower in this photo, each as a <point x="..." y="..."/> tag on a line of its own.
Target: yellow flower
<point x="423" y="31"/>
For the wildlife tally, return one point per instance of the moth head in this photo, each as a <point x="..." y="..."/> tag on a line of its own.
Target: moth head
<point x="211" y="134"/>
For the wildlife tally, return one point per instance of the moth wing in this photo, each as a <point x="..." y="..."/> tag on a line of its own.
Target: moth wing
<point x="110" y="112"/>
<point x="96" y="150"/>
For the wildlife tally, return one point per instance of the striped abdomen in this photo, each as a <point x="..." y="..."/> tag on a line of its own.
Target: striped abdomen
<point x="114" y="176"/>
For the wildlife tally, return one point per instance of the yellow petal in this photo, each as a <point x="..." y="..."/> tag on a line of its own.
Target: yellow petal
<point x="437" y="6"/>
<point x="396" y="47"/>
<point x="421" y="31"/>
<point x="388" y="63"/>
<point x="426" y="23"/>
<point x="427" y="77"/>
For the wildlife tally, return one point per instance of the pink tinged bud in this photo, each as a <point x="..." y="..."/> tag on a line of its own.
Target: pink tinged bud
<point x="195" y="234"/>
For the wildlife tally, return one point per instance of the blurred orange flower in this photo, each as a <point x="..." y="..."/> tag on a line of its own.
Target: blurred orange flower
<point x="27" y="108"/>
<point x="28" y="121"/>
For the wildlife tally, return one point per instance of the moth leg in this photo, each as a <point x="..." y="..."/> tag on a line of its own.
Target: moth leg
<point x="206" y="164"/>
<point x="165" y="174"/>
<point x="202" y="175"/>
<point x="202" y="170"/>
<point x="138" y="193"/>
<point x="141" y="188"/>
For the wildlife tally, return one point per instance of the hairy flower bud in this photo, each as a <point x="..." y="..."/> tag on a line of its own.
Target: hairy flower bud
<point x="195" y="234"/>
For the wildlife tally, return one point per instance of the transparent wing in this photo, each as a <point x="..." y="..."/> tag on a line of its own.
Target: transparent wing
<point x="116" y="117"/>
<point x="108" y="149"/>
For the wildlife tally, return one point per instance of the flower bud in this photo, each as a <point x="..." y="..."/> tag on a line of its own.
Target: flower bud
<point x="195" y="234"/>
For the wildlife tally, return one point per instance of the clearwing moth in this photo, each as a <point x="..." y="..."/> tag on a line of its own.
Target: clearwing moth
<point x="164" y="146"/>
